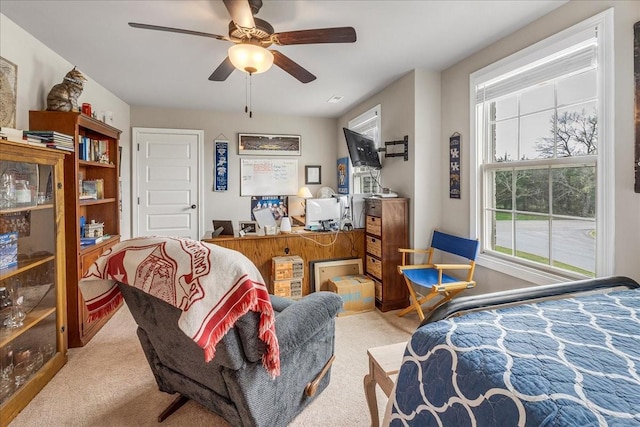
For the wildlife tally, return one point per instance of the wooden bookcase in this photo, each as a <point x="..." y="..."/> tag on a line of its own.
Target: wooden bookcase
<point x="386" y="230"/>
<point x="37" y="279"/>
<point x="103" y="210"/>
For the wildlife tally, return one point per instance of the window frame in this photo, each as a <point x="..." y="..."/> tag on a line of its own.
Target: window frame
<point x="605" y="195"/>
<point x="360" y="174"/>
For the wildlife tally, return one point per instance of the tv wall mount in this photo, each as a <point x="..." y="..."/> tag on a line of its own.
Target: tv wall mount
<point x="405" y="153"/>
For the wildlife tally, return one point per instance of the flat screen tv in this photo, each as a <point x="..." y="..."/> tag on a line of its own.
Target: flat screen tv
<point x="362" y="149"/>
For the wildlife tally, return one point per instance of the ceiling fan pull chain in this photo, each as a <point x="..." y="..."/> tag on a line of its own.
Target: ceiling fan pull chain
<point x="250" y="93"/>
<point x="246" y="94"/>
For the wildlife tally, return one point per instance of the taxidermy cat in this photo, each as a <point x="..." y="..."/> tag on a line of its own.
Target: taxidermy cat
<point x="64" y="96"/>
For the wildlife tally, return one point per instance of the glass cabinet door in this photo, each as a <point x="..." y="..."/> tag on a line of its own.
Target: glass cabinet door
<point x="32" y="345"/>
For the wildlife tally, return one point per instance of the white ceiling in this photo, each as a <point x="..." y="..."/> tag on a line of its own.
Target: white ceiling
<point x="154" y="68"/>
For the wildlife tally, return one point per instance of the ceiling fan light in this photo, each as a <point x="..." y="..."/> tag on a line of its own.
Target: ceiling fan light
<point x="250" y="58"/>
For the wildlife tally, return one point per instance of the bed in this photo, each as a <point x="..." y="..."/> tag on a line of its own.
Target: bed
<point x="521" y="358"/>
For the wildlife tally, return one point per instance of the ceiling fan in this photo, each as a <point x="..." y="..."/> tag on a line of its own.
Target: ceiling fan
<point x="252" y="36"/>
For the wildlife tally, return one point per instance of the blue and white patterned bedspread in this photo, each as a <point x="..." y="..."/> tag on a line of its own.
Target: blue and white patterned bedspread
<point x="571" y="362"/>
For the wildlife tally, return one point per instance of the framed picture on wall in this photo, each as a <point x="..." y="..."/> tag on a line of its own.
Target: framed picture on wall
<point x="8" y="93"/>
<point x="312" y="174"/>
<point x="268" y="145"/>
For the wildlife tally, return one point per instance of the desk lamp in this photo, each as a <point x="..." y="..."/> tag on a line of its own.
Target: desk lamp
<point x="305" y="193"/>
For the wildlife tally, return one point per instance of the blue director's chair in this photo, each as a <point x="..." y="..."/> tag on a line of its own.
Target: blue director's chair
<point x="432" y="276"/>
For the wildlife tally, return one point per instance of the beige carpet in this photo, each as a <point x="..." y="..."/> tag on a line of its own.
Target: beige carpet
<point x="108" y="382"/>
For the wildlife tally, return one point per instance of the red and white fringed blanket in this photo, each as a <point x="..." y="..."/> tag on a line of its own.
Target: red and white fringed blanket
<point x="213" y="287"/>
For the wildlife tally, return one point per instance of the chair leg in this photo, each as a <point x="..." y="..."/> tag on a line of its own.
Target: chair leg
<point x="414" y="304"/>
<point x="417" y="303"/>
<point x="312" y="387"/>
<point x="447" y="296"/>
<point x="173" y="407"/>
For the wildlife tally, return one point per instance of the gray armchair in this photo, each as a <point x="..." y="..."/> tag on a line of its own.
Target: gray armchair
<point x="235" y="385"/>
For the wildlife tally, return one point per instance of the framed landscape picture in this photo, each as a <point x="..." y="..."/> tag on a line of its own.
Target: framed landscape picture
<point x="269" y="145"/>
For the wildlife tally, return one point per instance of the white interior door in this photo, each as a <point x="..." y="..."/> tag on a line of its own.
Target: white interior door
<point x="168" y="195"/>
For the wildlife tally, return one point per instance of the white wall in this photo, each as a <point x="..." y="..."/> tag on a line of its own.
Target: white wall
<point x="39" y="68"/>
<point x="318" y="148"/>
<point x="426" y="152"/>
<point x="455" y="117"/>
<point x="410" y="106"/>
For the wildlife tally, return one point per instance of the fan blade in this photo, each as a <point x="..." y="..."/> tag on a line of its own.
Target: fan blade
<point x="291" y="67"/>
<point x="240" y="12"/>
<point x="223" y="71"/>
<point x="177" y="30"/>
<point x="320" y="35"/>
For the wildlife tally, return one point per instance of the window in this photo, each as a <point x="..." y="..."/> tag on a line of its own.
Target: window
<point x="363" y="179"/>
<point x="542" y="201"/>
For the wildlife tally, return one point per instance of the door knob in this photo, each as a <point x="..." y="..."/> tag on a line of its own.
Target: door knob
<point x="193" y="206"/>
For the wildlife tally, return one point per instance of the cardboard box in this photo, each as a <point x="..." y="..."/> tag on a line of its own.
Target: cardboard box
<point x="287" y="267"/>
<point x="290" y="288"/>
<point x="8" y="250"/>
<point x="357" y="293"/>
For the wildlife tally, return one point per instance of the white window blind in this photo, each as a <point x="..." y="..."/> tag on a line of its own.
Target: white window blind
<point x="575" y="60"/>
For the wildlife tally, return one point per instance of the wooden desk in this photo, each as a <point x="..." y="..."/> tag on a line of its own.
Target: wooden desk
<point x="311" y="246"/>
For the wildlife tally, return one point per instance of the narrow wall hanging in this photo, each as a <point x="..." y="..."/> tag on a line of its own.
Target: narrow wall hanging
<point x="222" y="165"/>
<point x="636" y="73"/>
<point x="454" y="166"/>
<point x="343" y="175"/>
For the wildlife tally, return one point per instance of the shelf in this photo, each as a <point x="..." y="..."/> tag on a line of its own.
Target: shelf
<point x="96" y="164"/>
<point x="91" y="125"/>
<point x="89" y="202"/>
<point x="89" y="248"/>
<point x="26" y="208"/>
<point x="32" y="319"/>
<point x="24" y="266"/>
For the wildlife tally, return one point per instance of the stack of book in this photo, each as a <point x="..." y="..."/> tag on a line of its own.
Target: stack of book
<point x="11" y="134"/>
<point x="52" y="139"/>
<point x="18" y="135"/>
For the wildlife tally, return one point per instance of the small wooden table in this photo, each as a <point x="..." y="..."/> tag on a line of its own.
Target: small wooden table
<point x="384" y="364"/>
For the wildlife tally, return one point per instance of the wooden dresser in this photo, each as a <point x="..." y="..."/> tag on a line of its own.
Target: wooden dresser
<point x="387" y="229"/>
